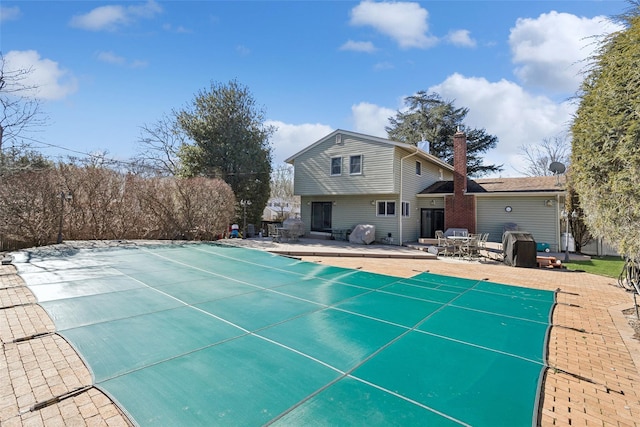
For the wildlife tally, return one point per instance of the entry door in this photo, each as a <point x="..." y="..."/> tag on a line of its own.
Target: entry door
<point x="430" y="221"/>
<point x="321" y="216"/>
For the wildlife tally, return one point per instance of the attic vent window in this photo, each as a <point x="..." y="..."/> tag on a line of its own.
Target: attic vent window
<point x="339" y="139"/>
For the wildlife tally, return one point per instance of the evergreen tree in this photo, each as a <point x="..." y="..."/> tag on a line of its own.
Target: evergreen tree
<point x="431" y="118"/>
<point x="605" y="160"/>
<point x="229" y="141"/>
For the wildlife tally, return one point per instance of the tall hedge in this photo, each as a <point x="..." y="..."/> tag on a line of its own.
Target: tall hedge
<point x="605" y="160"/>
<point x="106" y="204"/>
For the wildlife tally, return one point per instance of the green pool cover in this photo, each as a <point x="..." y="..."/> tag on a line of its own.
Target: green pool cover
<point x="203" y="334"/>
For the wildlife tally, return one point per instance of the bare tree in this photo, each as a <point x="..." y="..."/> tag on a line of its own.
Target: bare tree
<point x="282" y="198"/>
<point x="540" y="156"/>
<point x="159" y="146"/>
<point x="30" y="206"/>
<point x="20" y="108"/>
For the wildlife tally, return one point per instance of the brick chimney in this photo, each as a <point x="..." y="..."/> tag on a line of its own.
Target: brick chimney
<point x="460" y="209"/>
<point x="459" y="163"/>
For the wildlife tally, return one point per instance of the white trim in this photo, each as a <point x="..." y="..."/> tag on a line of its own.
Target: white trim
<point x="499" y="194"/>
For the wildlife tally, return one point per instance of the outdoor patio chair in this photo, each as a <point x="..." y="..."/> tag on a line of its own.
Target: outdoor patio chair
<point x="470" y="248"/>
<point x="482" y="243"/>
<point x="443" y="246"/>
<point x="274" y="232"/>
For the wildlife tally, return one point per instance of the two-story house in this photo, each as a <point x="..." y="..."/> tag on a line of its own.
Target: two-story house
<point x="347" y="178"/>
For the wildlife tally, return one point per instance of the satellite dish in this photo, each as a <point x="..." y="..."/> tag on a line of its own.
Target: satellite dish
<point x="557" y="168"/>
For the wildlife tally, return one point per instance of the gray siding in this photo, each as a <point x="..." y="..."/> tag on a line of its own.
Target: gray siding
<point x="529" y="212"/>
<point x="312" y="175"/>
<point x="431" y="203"/>
<point x="413" y="184"/>
<point x="349" y="211"/>
<point x="355" y="196"/>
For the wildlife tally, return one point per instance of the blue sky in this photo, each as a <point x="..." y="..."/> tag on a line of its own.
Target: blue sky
<point x="106" y="68"/>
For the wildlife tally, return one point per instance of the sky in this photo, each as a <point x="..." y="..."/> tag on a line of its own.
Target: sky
<point x="105" y="69"/>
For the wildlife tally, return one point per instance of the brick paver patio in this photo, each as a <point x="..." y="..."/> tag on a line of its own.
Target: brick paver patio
<point x="43" y="381"/>
<point x="593" y="378"/>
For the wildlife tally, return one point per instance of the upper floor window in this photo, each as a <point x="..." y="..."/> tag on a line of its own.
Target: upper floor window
<point x="418" y="168"/>
<point x="336" y="166"/>
<point x="355" y="165"/>
<point x="386" y="208"/>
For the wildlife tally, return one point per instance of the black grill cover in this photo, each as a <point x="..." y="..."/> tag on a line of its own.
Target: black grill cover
<point x="519" y="249"/>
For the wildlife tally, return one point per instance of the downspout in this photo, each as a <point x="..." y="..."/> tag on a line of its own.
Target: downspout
<point x="400" y="216"/>
<point x="558" y="228"/>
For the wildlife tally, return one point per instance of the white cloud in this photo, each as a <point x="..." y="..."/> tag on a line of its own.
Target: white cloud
<point x="50" y="82"/>
<point x="507" y="111"/>
<point x="148" y="10"/>
<point x="404" y="22"/>
<point x="460" y="38"/>
<point x="367" y="47"/>
<point x="112" y="17"/>
<point x="138" y="63"/>
<point x="289" y="139"/>
<point x="111" y="58"/>
<point x="381" y="66"/>
<point x="371" y="119"/>
<point x="9" y="13"/>
<point x="101" y="18"/>
<point x="179" y="29"/>
<point x="549" y="51"/>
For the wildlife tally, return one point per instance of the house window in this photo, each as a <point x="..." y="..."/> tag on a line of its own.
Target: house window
<point x="336" y="166"/>
<point x="418" y="168"/>
<point x="406" y="208"/>
<point x="386" y="208"/>
<point x="355" y="165"/>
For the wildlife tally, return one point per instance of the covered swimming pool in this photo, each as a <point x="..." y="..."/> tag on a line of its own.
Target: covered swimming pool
<point x="205" y="334"/>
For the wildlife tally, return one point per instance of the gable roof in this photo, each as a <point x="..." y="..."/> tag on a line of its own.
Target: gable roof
<point x="530" y="184"/>
<point x="408" y="147"/>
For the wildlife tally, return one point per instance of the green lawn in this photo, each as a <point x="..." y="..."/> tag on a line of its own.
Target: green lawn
<point x="609" y="266"/>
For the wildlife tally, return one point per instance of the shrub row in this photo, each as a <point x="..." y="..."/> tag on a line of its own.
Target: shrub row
<point x="99" y="203"/>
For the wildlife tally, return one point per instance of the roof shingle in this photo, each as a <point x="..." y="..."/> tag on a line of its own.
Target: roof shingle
<point x="503" y="185"/>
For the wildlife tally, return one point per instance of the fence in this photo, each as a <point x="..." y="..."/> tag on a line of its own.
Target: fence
<point x="7" y="245"/>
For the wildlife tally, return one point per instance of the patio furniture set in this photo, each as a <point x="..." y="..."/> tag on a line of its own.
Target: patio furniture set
<point x="460" y="243"/>
<point x="280" y="233"/>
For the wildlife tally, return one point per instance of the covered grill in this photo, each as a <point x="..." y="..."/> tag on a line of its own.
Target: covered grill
<point x="519" y="249"/>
